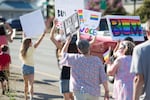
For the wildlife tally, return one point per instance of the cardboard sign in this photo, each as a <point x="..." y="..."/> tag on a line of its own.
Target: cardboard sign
<point x="33" y="23"/>
<point x="121" y="27"/>
<point x="71" y="24"/>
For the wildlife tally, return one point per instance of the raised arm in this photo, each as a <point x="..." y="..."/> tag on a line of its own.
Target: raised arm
<point x="52" y="38"/>
<point x="93" y="40"/>
<point x="66" y="45"/>
<point x="39" y="40"/>
<point x="10" y="32"/>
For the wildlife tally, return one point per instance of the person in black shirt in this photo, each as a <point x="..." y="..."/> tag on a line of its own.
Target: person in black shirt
<point x="59" y="41"/>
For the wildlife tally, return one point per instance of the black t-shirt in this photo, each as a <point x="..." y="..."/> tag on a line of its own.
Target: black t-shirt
<point x="65" y="73"/>
<point x="2" y="30"/>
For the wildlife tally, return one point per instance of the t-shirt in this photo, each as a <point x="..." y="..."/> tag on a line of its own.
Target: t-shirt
<point x="141" y="64"/>
<point x="4" y="61"/>
<point x="65" y="73"/>
<point x="86" y="71"/>
<point x="28" y="60"/>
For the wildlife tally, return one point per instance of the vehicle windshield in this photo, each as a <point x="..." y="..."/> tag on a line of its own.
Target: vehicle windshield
<point x="103" y="28"/>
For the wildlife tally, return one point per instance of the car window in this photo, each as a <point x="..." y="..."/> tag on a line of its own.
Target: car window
<point x="103" y="26"/>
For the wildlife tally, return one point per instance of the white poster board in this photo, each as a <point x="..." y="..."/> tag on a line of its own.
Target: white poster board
<point x="89" y="21"/>
<point x="65" y="8"/>
<point x="33" y="23"/>
<point x="121" y="27"/>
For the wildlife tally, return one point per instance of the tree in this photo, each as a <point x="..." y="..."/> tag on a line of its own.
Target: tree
<point x="144" y="11"/>
<point x="115" y="8"/>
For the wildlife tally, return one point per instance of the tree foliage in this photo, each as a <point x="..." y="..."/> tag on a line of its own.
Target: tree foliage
<point x="116" y="8"/>
<point x="144" y="11"/>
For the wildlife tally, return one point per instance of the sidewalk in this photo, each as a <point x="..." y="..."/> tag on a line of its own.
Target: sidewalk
<point x="43" y="89"/>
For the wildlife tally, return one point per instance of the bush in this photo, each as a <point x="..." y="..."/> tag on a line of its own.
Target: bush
<point x="144" y="11"/>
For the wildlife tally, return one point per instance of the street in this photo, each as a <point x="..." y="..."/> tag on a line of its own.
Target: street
<point x="46" y="68"/>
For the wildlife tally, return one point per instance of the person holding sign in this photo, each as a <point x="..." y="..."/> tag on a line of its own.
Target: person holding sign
<point x="120" y="69"/>
<point x="26" y="54"/>
<point x="87" y="71"/>
<point x="59" y="41"/>
<point x="4" y="37"/>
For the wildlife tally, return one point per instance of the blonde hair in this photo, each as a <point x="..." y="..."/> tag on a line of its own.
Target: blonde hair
<point x="24" y="47"/>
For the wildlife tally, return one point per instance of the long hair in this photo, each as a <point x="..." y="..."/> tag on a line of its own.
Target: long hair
<point x="24" y="47"/>
<point x="128" y="46"/>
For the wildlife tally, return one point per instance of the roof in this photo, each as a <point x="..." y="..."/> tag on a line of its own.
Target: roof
<point x="16" y="5"/>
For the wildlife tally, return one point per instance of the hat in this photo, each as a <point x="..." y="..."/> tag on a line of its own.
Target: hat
<point x="83" y="45"/>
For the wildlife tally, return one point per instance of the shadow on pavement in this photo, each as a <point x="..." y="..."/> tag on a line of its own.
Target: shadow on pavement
<point x="51" y="81"/>
<point x="42" y="96"/>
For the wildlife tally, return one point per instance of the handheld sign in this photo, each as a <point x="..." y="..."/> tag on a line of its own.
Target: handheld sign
<point x="65" y="8"/>
<point x="33" y="23"/>
<point x="71" y="24"/>
<point x="121" y="27"/>
<point x="89" y="21"/>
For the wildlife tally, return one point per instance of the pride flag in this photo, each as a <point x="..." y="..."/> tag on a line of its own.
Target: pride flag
<point x="106" y="55"/>
<point x="94" y="17"/>
<point x="80" y="13"/>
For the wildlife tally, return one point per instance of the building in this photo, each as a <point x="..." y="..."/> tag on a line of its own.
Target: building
<point x="15" y="8"/>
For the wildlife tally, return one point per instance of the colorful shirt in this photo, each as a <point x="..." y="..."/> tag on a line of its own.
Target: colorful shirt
<point x="123" y="84"/>
<point x="4" y="61"/>
<point x="86" y="72"/>
<point x="28" y="60"/>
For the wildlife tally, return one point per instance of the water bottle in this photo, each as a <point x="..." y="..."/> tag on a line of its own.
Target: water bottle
<point x="82" y="90"/>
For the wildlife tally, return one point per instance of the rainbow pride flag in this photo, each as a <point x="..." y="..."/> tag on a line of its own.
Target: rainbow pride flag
<point x="106" y="55"/>
<point x="80" y="13"/>
<point x="94" y="17"/>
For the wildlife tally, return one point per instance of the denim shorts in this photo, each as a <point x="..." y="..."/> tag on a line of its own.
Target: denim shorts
<point x="27" y="70"/>
<point x="64" y="86"/>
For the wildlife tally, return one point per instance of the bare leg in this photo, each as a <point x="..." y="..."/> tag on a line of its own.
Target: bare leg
<point x="68" y="96"/>
<point x="26" y="86"/>
<point x="31" y="81"/>
<point x="2" y="85"/>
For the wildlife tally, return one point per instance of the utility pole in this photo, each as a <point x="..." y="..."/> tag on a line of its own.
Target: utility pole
<point x="134" y="6"/>
<point x="47" y="8"/>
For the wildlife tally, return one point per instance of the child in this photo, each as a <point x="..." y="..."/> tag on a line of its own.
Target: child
<point x="5" y="61"/>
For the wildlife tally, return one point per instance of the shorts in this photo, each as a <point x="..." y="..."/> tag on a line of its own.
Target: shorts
<point x="27" y="70"/>
<point x="64" y="86"/>
<point x="4" y="75"/>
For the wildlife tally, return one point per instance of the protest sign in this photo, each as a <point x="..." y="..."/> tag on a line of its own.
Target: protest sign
<point x="89" y="21"/>
<point x="65" y="8"/>
<point x="121" y="27"/>
<point x="33" y="23"/>
<point x="71" y="24"/>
